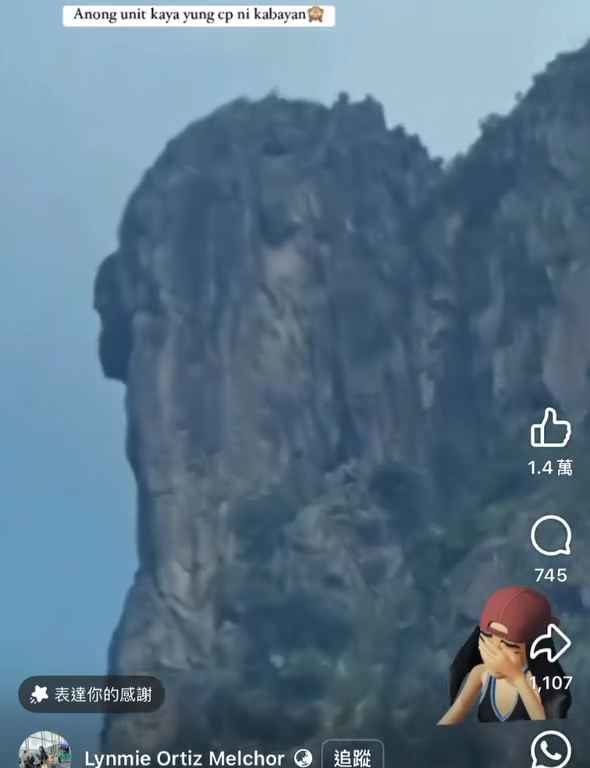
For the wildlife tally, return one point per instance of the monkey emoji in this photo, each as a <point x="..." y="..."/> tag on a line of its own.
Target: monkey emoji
<point x="315" y="13"/>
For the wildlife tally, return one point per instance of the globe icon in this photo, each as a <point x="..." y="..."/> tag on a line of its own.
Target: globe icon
<point x="303" y="758"/>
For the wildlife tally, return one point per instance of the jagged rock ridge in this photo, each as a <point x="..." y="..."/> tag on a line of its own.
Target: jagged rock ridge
<point x="332" y="349"/>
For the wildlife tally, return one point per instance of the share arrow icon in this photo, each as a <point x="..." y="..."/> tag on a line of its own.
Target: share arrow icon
<point x="554" y="637"/>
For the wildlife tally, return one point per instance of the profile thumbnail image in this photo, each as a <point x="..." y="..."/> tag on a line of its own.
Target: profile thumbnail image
<point x="44" y="749"/>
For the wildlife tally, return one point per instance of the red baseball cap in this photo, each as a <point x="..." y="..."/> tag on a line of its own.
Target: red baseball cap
<point x="525" y="613"/>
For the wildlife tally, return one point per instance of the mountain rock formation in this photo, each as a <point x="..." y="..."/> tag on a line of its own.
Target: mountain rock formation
<point x="333" y="348"/>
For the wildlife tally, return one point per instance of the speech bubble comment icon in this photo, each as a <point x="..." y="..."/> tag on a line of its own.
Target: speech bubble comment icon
<point x="565" y="548"/>
<point x="550" y="749"/>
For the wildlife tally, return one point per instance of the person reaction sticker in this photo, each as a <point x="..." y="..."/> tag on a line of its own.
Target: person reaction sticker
<point x="494" y="666"/>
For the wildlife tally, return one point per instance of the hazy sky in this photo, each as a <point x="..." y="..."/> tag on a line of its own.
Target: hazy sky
<point x="83" y="114"/>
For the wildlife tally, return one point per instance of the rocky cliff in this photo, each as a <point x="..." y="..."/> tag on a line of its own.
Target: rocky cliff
<point x="333" y="348"/>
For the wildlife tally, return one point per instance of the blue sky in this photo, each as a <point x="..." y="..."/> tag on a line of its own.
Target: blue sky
<point x="84" y="112"/>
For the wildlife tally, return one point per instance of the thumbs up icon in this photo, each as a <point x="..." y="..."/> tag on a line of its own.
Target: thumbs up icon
<point x="550" y="423"/>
